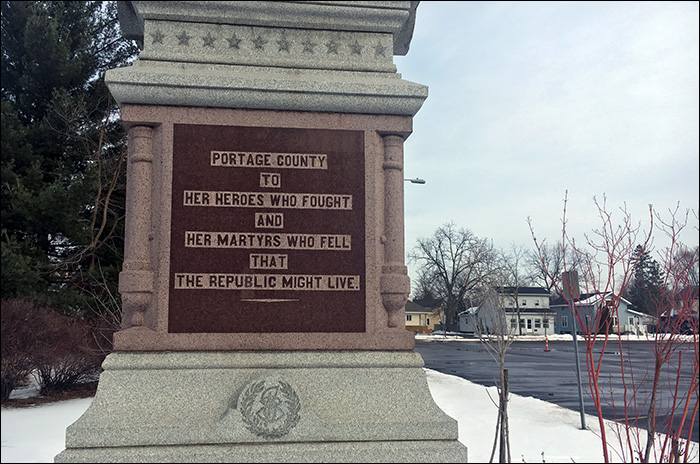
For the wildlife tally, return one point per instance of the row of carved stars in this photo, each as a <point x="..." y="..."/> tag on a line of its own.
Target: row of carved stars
<point x="283" y="45"/>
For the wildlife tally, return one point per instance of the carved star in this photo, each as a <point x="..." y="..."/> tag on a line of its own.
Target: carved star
<point x="308" y="46"/>
<point x="234" y="42"/>
<point x="356" y="48"/>
<point x="283" y="44"/>
<point x="332" y="47"/>
<point x="158" y="37"/>
<point x="259" y="43"/>
<point x="184" y="38"/>
<point x="379" y="49"/>
<point x="208" y="41"/>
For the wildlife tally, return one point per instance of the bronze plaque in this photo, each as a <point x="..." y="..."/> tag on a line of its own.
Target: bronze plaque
<point x="267" y="230"/>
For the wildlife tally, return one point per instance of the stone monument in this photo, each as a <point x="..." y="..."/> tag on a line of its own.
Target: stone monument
<point x="264" y="284"/>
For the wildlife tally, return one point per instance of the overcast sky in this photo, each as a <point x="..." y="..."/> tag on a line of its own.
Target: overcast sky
<point x="530" y="99"/>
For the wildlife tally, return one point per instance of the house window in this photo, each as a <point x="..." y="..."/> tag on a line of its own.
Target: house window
<point x="546" y="323"/>
<point x="538" y="323"/>
<point x="522" y="323"/>
<point x="565" y="321"/>
<point x="529" y="324"/>
<point x="537" y="302"/>
<point x="408" y="317"/>
<point x="513" y="322"/>
<point x="427" y="321"/>
<point x="524" y="303"/>
<point x="630" y="320"/>
<point x="614" y="321"/>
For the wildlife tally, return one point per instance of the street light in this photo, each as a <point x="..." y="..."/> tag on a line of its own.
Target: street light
<point x="416" y="181"/>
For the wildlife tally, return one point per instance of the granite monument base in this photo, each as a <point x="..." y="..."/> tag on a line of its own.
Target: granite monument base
<point x="344" y="406"/>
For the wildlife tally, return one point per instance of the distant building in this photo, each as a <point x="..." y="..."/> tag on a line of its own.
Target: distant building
<point x="532" y="302"/>
<point x="469" y="320"/>
<point x="420" y="319"/>
<point x="625" y="320"/>
<point x="682" y="317"/>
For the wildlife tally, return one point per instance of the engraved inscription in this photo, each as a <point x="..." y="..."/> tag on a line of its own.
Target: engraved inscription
<point x="268" y="241"/>
<point x="269" y="220"/>
<point x="267" y="200"/>
<point x="269" y="160"/>
<point x="270" y="180"/>
<point x="269" y="229"/>
<point x="268" y="261"/>
<point x="320" y="283"/>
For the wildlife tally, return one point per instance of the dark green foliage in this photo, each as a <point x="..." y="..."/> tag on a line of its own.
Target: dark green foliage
<point x="647" y="292"/>
<point x="18" y="276"/>
<point x="63" y="189"/>
<point x="62" y="152"/>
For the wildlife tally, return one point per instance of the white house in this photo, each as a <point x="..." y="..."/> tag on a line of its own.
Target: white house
<point x="468" y="320"/>
<point x="530" y="303"/>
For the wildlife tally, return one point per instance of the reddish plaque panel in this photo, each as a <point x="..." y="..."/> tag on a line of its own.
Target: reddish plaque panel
<point x="267" y="230"/>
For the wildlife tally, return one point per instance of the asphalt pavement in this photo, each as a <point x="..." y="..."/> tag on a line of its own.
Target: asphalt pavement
<point x="551" y="375"/>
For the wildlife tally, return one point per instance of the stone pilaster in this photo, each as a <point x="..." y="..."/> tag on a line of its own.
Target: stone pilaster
<point x="395" y="285"/>
<point x="136" y="278"/>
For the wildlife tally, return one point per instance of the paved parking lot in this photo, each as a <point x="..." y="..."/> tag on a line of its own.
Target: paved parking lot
<point x="548" y="375"/>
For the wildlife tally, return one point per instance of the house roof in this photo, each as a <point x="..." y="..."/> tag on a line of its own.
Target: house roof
<point x="469" y="311"/>
<point x="414" y="308"/>
<point x="522" y="291"/>
<point x="587" y="299"/>
<point x="641" y="315"/>
<point x="431" y="303"/>
<point x="475" y="309"/>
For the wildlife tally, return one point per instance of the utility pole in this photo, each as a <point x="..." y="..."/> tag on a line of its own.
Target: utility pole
<point x="571" y="293"/>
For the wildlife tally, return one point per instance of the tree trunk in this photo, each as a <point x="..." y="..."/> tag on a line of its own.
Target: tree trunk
<point x="503" y="408"/>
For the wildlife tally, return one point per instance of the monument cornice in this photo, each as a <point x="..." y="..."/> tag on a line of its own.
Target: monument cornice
<point x="393" y="17"/>
<point x="292" y="56"/>
<point x="221" y="86"/>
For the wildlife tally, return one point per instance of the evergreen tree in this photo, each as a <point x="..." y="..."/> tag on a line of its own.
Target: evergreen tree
<point x="62" y="150"/>
<point x="647" y="290"/>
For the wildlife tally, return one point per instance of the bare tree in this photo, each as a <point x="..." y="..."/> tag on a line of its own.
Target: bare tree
<point x="107" y="156"/>
<point x="496" y="331"/>
<point x="677" y="306"/>
<point x="686" y="265"/>
<point x="607" y="261"/>
<point x="544" y="266"/>
<point x="453" y="263"/>
<point x="513" y="275"/>
<point x="598" y="263"/>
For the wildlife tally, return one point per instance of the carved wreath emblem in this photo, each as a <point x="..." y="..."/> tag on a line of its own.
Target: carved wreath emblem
<point x="269" y="407"/>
